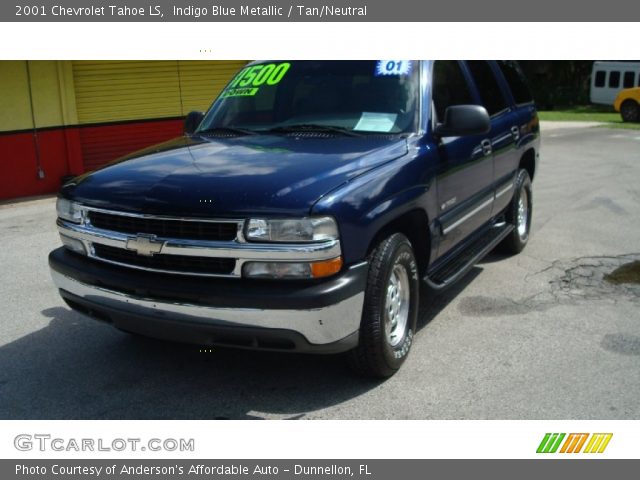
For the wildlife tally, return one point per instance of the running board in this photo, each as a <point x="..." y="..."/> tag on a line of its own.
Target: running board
<point x="449" y="273"/>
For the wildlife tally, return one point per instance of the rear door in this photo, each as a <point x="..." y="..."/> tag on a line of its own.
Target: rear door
<point x="520" y="119"/>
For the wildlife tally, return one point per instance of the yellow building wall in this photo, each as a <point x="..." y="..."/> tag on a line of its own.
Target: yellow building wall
<point x="50" y="85"/>
<point x="87" y="92"/>
<point x="96" y="105"/>
<point x="53" y="98"/>
<point x="202" y="81"/>
<point x="112" y="91"/>
<point x="15" y="109"/>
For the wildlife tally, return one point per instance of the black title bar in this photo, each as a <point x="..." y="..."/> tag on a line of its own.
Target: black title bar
<point x="317" y="469"/>
<point x="318" y="11"/>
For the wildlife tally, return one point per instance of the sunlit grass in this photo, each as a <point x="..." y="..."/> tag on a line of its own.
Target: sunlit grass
<point x="589" y="113"/>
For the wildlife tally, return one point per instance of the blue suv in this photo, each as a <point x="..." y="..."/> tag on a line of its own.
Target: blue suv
<point x="306" y="208"/>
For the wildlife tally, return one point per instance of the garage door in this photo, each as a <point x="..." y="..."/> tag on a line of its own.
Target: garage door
<point x="124" y="106"/>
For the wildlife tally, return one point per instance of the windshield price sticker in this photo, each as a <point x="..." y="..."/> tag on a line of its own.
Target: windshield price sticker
<point x="376" y="122"/>
<point x="393" y="67"/>
<point x="248" y="81"/>
<point x="239" y="92"/>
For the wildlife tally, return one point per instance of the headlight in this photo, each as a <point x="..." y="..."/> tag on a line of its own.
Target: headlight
<point x="69" y="210"/>
<point x="310" y="229"/>
<point x="292" y="270"/>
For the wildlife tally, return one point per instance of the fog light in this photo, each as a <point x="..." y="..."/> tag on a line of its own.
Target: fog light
<point x="276" y="270"/>
<point x="287" y="270"/>
<point x="73" y="244"/>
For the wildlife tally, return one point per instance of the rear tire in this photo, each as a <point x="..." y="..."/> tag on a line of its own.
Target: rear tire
<point x="630" y="111"/>
<point x="390" y="310"/>
<point x="519" y="215"/>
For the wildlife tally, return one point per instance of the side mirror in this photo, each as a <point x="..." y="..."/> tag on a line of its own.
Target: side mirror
<point x="461" y="120"/>
<point x="192" y="121"/>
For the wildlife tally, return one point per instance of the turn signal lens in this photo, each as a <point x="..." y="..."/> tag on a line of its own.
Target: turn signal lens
<point x="326" y="268"/>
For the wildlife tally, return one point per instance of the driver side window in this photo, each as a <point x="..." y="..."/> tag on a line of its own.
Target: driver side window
<point x="449" y="87"/>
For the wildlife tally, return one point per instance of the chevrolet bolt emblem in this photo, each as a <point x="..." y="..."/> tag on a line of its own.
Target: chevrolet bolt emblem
<point x="146" y="245"/>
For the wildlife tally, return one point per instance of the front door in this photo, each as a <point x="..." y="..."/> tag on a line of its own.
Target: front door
<point x="466" y="169"/>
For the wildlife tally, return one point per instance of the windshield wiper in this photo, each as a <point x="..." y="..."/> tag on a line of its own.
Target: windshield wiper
<point x="312" y="127"/>
<point x="224" y="131"/>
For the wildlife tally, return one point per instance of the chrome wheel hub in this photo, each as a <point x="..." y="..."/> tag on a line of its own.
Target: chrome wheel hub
<point x="396" y="309"/>
<point x="523" y="214"/>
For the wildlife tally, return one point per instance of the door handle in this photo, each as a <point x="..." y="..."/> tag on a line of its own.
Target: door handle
<point x="486" y="147"/>
<point x="515" y="131"/>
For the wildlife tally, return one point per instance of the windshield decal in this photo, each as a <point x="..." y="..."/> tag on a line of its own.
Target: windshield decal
<point x="376" y="122"/>
<point x="248" y="82"/>
<point x="239" y="92"/>
<point x="393" y="67"/>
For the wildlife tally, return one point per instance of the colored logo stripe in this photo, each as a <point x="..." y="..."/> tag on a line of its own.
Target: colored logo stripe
<point x="550" y="443"/>
<point x="598" y="442"/>
<point x="575" y="441"/>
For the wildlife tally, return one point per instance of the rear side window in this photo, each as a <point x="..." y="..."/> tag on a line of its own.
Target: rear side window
<point x="516" y="80"/>
<point x="600" y="78"/>
<point x="490" y="91"/>
<point x="449" y="86"/>
<point x="629" y="77"/>
<point x="614" y="79"/>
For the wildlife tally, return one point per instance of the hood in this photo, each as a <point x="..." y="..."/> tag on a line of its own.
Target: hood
<point x="261" y="174"/>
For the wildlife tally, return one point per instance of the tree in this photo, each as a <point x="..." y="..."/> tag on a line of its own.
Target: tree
<point x="558" y="83"/>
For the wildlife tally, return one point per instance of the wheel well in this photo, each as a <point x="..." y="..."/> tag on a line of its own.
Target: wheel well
<point x="415" y="226"/>
<point x="528" y="162"/>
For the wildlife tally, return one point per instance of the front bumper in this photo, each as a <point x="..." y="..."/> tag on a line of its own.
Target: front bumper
<point x="319" y="317"/>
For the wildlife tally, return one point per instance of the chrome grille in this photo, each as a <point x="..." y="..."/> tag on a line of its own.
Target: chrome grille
<point x="167" y="228"/>
<point x="188" y="246"/>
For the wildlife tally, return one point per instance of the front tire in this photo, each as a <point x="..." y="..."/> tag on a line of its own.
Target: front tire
<point x="519" y="215"/>
<point x="630" y="111"/>
<point x="390" y="311"/>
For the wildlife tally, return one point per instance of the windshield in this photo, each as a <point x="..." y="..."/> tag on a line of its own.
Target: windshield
<point x="363" y="97"/>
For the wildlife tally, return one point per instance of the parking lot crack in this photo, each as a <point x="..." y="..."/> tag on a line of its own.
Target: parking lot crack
<point x="570" y="281"/>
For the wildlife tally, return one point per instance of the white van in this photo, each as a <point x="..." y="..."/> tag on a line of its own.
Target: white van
<point x="608" y="78"/>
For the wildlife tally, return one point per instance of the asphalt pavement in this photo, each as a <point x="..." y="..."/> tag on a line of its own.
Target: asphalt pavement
<point x="540" y="335"/>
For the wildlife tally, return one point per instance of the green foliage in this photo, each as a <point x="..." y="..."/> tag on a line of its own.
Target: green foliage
<point x="558" y="83"/>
